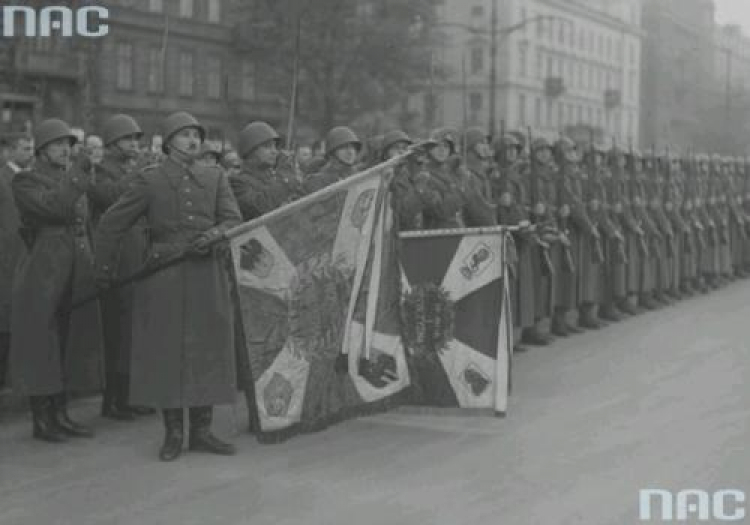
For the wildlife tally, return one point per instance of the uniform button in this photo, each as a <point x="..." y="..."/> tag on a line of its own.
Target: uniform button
<point x="187" y="190"/>
<point x="185" y="177"/>
<point x="190" y="217"/>
<point x="189" y="203"/>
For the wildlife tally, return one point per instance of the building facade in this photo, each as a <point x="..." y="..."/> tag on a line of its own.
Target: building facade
<point x="560" y="65"/>
<point x="678" y="86"/>
<point x="160" y="56"/>
<point x="731" y="105"/>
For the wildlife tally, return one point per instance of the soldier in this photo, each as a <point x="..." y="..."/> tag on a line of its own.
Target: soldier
<point x="576" y="225"/>
<point x="641" y="277"/>
<point x="665" y="248"/>
<point x="737" y="231"/>
<point x="112" y="178"/>
<point x="342" y="153"/>
<point x="410" y="181"/>
<point x="19" y="152"/>
<point x="258" y="187"/>
<point x="625" y="273"/>
<point x="183" y="352"/>
<point x="480" y="209"/>
<point x="542" y="186"/>
<point x="509" y="192"/>
<point x="54" y="349"/>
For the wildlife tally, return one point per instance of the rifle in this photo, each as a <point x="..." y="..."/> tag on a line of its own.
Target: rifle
<point x="597" y="251"/>
<point x="146" y="271"/>
<point x="568" y="261"/>
<point x="547" y="267"/>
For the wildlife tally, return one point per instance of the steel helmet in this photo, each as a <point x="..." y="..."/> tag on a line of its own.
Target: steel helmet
<point x="507" y="141"/>
<point x="341" y="136"/>
<point x="448" y="135"/>
<point x="211" y="148"/>
<point x="256" y="134"/>
<point x="118" y="127"/>
<point x="540" y="143"/>
<point x="474" y="136"/>
<point x="177" y="122"/>
<point x="394" y="137"/>
<point x="51" y="130"/>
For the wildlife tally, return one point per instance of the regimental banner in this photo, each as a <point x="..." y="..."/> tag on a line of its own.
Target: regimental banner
<point x="456" y="317"/>
<point x="319" y="290"/>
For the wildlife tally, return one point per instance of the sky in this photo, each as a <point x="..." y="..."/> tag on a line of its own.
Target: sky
<point x="735" y="12"/>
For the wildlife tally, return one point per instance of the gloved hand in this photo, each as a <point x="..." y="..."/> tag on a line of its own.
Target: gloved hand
<point x="202" y="244"/>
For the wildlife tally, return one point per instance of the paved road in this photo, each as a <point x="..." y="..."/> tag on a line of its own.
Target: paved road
<point x="658" y="401"/>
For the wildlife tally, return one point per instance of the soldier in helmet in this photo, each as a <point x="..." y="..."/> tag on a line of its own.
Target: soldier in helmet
<point x="509" y="191"/>
<point x="410" y="181"/>
<point x="183" y="353"/>
<point x="575" y="223"/>
<point x="54" y="350"/>
<point x="480" y="209"/>
<point x="113" y="177"/>
<point x="542" y="183"/>
<point x="231" y="163"/>
<point x="342" y="155"/>
<point x="737" y="231"/>
<point x="258" y="187"/>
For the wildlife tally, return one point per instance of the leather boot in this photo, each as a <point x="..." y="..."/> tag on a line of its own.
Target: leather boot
<point x="112" y="408"/>
<point x="610" y="313"/>
<point x="63" y="421"/>
<point x="173" y="436"/>
<point x="588" y="320"/>
<point x="559" y="326"/>
<point x="647" y="301"/>
<point x="45" y="428"/>
<point x="627" y="307"/>
<point x="201" y="437"/>
<point x="532" y="336"/>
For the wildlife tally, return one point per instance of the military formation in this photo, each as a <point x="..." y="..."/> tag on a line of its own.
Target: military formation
<point x="598" y="234"/>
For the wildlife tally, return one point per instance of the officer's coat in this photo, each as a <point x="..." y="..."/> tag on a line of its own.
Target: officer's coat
<point x="51" y="351"/>
<point x="183" y="348"/>
<point x="112" y="180"/>
<point x="11" y="245"/>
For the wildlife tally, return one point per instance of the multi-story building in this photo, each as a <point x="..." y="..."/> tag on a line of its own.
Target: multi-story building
<point x="560" y="65"/>
<point x="160" y="56"/>
<point x="731" y="105"/>
<point x="677" y="72"/>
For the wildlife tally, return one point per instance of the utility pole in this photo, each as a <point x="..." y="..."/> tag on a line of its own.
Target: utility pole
<point x="493" y="68"/>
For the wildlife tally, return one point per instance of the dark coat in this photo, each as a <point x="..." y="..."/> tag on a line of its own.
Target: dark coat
<point x="259" y="190"/>
<point x="331" y="173"/>
<point x="11" y="245"/>
<point x="52" y="351"/>
<point x="112" y="179"/>
<point x="183" y="347"/>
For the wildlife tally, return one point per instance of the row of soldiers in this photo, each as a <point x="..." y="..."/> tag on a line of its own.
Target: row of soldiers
<point x="601" y="233"/>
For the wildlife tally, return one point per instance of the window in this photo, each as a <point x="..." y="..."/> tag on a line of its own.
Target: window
<point x="522" y="69"/>
<point x="213" y="77"/>
<point x="579" y="114"/>
<point x="186" y="74"/>
<point x="600" y="48"/>
<point x="581" y="75"/>
<point x="550" y="113"/>
<point x="550" y="66"/>
<point x="475" y="101"/>
<point x="592" y="40"/>
<point x="561" y="114"/>
<point x="539" y="64"/>
<point x="609" y="47"/>
<point x="248" y="80"/>
<point x="214" y="11"/>
<point x="582" y="40"/>
<point x="561" y="32"/>
<point x="571" y="73"/>
<point x="156" y="6"/>
<point x="592" y="84"/>
<point x="590" y="115"/>
<point x="540" y="28"/>
<point x="538" y="112"/>
<point x="521" y="109"/>
<point x="633" y="89"/>
<point x="632" y="54"/>
<point x="124" y="66"/>
<point x="600" y="117"/>
<point x="186" y="8"/>
<point x="477" y="11"/>
<point x="477" y="60"/>
<point x="572" y="35"/>
<point x="155" y="71"/>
